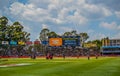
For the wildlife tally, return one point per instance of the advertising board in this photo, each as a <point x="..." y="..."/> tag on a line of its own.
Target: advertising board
<point x="44" y="42"/>
<point x="55" y="41"/>
<point x="13" y="43"/>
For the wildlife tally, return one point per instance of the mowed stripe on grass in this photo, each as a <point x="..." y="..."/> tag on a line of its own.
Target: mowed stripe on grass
<point x="64" y="67"/>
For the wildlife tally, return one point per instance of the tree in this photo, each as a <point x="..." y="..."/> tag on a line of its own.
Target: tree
<point x="3" y="21"/>
<point x="71" y="33"/>
<point x="74" y="33"/>
<point x="67" y="34"/>
<point x="16" y="32"/>
<point x="52" y="34"/>
<point x="84" y="37"/>
<point x="3" y="27"/>
<point x="98" y="43"/>
<point x="26" y="36"/>
<point x="44" y="37"/>
<point x="44" y="34"/>
<point x="96" y="49"/>
<point x="13" y="32"/>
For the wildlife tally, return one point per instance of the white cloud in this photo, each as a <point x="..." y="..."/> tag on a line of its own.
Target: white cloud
<point x="111" y="4"/>
<point x="117" y="14"/>
<point x="106" y="12"/>
<point x="111" y="26"/>
<point x="28" y="12"/>
<point x="58" y="21"/>
<point x="119" y="27"/>
<point x="66" y="29"/>
<point x="93" y="11"/>
<point x="40" y="3"/>
<point x="51" y="7"/>
<point x="58" y="11"/>
<point x="38" y="14"/>
<point x="44" y="26"/>
<point x="17" y="8"/>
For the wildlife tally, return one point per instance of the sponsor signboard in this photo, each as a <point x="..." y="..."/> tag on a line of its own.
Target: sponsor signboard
<point x="55" y="41"/>
<point x="36" y="42"/>
<point x="88" y="45"/>
<point x="21" y="43"/>
<point x="5" y="42"/>
<point x="29" y="42"/>
<point x="44" y="42"/>
<point x="13" y="42"/>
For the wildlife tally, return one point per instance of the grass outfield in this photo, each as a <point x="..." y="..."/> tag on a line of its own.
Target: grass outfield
<point x="104" y="66"/>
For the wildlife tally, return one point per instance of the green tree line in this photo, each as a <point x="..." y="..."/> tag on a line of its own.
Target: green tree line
<point x="16" y="32"/>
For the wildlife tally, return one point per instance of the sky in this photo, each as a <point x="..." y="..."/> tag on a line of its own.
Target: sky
<point x="99" y="18"/>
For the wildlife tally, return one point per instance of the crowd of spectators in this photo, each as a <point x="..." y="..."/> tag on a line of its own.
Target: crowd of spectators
<point x="54" y="51"/>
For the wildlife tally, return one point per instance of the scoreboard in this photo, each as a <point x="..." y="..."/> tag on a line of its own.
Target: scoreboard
<point x="71" y="40"/>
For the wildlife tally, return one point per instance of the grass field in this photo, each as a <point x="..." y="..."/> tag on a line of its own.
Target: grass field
<point x="103" y="66"/>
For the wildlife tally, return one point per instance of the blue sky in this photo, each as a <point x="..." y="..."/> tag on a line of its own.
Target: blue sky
<point x="99" y="18"/>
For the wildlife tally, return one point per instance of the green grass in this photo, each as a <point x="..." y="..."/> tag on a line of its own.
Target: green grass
<point x="104" y="66"/>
